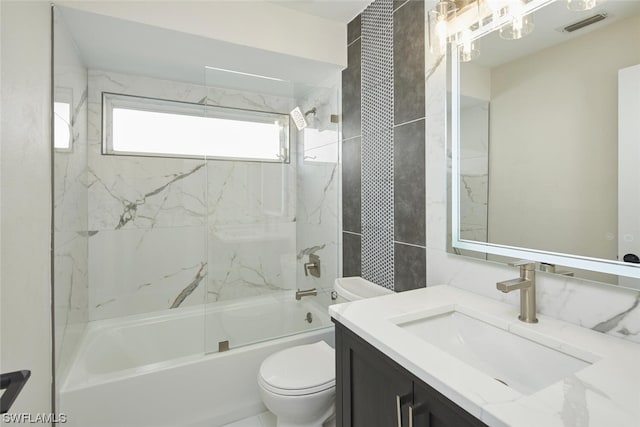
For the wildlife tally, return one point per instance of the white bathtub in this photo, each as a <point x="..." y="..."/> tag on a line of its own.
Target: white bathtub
<point x="152" y="370"/>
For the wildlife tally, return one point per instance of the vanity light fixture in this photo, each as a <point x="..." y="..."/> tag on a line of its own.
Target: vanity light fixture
<point x="463" y="21"/>
<point x="498" y="8"/>
<point x="580" y="5"/>
<point x="467" y="50"/>
<point x="517" y="28"/>
<point x="520" y="25"/>
<point x="442" y="13"/>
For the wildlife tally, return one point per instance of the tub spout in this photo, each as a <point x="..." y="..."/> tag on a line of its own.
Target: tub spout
<point x="306" y="293"/>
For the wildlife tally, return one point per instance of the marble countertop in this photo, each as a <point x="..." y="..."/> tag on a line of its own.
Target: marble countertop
<point x="606" y="393"/>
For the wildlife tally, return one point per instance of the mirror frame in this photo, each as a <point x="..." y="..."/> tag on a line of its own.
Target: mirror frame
<point x="566" y="260"/>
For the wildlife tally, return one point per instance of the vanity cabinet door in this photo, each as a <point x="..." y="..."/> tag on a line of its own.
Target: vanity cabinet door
<point x="374" y="391"/>
<point x="368" y="385"/>
<point x="432" y="409"/>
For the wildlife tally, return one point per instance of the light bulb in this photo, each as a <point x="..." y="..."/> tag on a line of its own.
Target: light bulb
<point x="520" y="24"/>
<point x="467" y="49"/>
<point x="496" y="6"/>
<point x="517" y="28"/>
<point x="441" y="34"/>
<point x="517" y="25"/>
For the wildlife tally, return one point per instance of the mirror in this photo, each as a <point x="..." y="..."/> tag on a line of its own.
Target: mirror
<point x="544" y="134"/>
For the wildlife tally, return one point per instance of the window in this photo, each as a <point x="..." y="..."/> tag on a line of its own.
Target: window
<point x="153" y="127"/>
<point x="62" y="119"/>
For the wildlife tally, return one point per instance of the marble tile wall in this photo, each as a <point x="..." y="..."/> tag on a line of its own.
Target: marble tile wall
<point x="251" y="236"/>
<point x="408" y="130"/>
<point x="167" y="232"/>
<point x="603" y="308"/>
<point x="70" y="235"/>
<point x="318" y="184"/>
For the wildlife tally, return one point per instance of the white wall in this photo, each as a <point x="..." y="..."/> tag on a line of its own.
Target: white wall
<point x="242" y="22"/>
<point x="603" y="308"/>
<point x="25" y="202"/>
<point x="554" y="133"/>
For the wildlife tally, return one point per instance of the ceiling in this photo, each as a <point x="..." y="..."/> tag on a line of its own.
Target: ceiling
<point x="112" y="44"/>
<point x="335" y="10"/>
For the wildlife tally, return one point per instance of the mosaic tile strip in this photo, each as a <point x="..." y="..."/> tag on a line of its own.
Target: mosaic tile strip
<point x="377" y="143"/>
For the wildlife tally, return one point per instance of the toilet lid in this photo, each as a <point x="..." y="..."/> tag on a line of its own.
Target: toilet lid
<point x="304" y="368"/>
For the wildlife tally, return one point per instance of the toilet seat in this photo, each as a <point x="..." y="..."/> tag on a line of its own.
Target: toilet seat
<point x="297" y="392"/>
<point x="300" y="370"/>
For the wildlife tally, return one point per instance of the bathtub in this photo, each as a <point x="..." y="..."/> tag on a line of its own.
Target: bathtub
<point x="152" y="370"/>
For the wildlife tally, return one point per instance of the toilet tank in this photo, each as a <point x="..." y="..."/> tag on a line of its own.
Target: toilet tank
<point x="355" y="288"/>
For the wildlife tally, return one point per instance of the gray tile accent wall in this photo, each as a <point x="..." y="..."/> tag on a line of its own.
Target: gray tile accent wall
<point x="351" y="96"/>
<point x="353" y="30"/>
<point x="377" y="143"/>
<point x="398" y="3"/>
<point x="351" y="182"/>
<point x="352" y="250"/>
<point x="383" y="152"/>
<point x="410" y="267"/>
<point x="408" y="62"/>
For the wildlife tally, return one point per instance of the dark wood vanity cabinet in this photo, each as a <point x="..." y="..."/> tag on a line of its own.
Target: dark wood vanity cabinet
<point x="374" y="391"/>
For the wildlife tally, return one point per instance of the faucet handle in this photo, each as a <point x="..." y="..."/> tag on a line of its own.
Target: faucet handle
<point x="524" y="264"/>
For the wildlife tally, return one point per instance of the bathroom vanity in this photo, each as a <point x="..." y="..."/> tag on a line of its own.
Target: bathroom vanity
<point x="441" y="356"/>
<point x="374" y="390"/>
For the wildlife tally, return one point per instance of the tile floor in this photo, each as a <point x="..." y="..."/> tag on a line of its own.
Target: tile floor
<point x="265" y="419"/>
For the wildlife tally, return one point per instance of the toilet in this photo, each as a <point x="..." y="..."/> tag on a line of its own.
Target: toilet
<point x="298" y="384"/>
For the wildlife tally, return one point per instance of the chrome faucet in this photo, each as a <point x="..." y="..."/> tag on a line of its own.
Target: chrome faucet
<point x="526" y="283"/>
<point x="306" y="293"/>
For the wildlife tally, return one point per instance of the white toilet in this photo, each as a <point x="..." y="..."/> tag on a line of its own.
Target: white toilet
<point x="298" y="384"/>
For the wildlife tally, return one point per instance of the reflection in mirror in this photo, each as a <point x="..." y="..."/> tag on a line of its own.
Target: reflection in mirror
<point x="547" y="164"/>
<point x="474" y="169"/>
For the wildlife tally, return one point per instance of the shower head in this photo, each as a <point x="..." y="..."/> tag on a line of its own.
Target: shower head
<point x="300" y="119"/>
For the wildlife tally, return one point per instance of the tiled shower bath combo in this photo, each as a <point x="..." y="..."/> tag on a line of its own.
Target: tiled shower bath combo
<point x="163" y="263"/>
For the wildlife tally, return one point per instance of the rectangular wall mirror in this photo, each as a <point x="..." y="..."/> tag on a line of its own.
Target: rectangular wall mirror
<point x="545" y="136"/>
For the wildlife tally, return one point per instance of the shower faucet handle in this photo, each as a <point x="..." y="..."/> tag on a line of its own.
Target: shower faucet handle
<point x="313" y="266"/>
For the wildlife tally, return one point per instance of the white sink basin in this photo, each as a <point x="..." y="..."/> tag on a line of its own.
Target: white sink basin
<point x="523" y="365"/>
